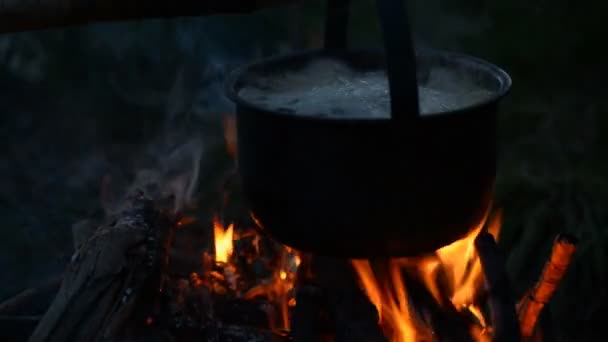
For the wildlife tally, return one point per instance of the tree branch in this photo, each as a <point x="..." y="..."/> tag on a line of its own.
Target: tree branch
<point x="531" y="305"/>
<point x="23" y="15"/>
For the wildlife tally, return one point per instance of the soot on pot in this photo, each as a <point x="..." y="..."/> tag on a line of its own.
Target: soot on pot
<point x="331" y="88"/>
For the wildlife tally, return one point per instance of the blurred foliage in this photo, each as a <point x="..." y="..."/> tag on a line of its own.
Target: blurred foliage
<point x="121" y="83"/>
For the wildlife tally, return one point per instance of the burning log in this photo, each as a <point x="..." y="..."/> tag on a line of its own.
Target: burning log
<point x="351" y="315"/>
<point x="238" y="311"/>
<point x="114" y="279"/>
<point x="531" y="305"/>
<point x="447" y="323"/>
<point x="243" y="333"/>
<point x="27" y="15"/>
<point x="502" y="305"/>
<point x="307" y="313"/>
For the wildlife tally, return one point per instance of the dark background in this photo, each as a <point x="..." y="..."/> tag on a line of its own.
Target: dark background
<point x="81" y="105"/>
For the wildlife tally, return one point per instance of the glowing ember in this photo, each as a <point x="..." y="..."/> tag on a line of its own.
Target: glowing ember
<point x="278" y="289"/>
<point x="461" y="272"/>
<point x="228" y="275"/>
<point x="223" y="241"/>
<point x="186" y="220"/>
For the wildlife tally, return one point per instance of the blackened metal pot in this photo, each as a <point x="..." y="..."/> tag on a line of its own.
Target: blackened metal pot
<point x="370" y="187"/>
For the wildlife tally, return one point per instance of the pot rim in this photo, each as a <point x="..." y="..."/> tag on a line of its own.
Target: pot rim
<point x="505" y="83"/>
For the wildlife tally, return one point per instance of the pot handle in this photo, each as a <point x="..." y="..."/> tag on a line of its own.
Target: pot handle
<point x="398" y="48"/>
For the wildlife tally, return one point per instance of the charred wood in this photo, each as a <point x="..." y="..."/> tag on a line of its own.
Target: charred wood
<point x="354" y="317"/>
<point x="252" y="313"/>
<point x="446" y="322"/>
<point x="249" y="334"/>
<point x="340" y="309"/>
<point x="114" y="279"/>
<point x="500" y="299"/>
<point x="307" y="315"/>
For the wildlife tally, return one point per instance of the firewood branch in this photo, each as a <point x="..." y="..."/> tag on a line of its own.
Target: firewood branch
<point x="531" y="305"/>
<point x="502" y="305"/>
<point x="112" y="277"/>
<point x="20" y="15"/>
<point x="353" y="316"/>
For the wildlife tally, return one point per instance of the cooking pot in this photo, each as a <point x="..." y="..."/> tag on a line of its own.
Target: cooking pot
<point x="370" y="187"/>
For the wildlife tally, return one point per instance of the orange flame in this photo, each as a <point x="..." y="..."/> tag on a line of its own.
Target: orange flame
<point x="223" y="241"/>
<point x="457" y="262"/>
<point x="276" y="289"/>
<point x="392" y="304"/>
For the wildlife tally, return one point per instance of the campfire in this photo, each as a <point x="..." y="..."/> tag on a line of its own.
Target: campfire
<point x="461" y="292"/>
<point x="449" y="285"/>
<point x="157" y="268"/>
<point x="186" y="275"/>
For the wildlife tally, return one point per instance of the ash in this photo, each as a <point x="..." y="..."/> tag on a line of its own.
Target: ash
<point x="330" y="88"/>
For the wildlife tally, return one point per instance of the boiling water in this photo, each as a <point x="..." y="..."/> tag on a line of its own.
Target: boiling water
<point x="330" y="88"/>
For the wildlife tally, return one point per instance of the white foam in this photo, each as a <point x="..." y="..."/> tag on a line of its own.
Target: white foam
<point x="330" y="88"/>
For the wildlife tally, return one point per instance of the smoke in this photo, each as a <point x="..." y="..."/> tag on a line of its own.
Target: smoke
<point x="171" y="163"/>
<point x="114" y="107"/>
<point x="168" y="166"/>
